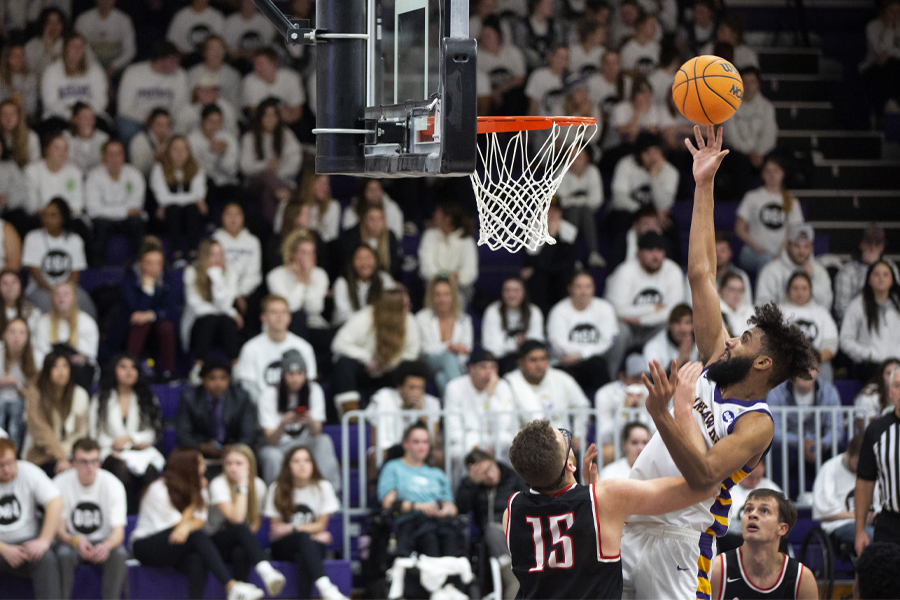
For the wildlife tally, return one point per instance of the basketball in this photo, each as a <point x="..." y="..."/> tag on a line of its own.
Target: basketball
<point x="707" y="90"/>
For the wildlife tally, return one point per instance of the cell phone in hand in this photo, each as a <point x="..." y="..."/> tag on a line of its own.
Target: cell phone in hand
<point x="301" y="410"/>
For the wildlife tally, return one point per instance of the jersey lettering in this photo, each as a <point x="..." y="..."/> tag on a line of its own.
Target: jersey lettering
<point x="557" y="538"/>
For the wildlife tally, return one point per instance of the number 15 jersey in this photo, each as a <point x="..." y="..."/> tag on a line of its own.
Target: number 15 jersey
<point x="554" y="543"/>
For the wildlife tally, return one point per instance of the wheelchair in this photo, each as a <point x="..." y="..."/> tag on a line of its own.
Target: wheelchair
<point x="825" y="556"/>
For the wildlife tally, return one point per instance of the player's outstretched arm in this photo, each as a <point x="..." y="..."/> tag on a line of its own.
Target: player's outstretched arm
<point x="621" y="498"/>
<point x="708" y="330"/>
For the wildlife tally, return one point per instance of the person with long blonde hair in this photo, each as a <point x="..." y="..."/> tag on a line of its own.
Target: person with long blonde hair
<point x="300" y="504"/>
<point x="370" y="345"/>
<point x="446" y="331"/>
<point x="326" y="211"/>
<point x="71" y="330"/>
<point x="179" y="185"/>
<point x="236" y="499"/>
<point x="17" y="82"/>
<point x="23" y="143"/>
<point x="71" y="79"/>
<point x="18" y="371"/>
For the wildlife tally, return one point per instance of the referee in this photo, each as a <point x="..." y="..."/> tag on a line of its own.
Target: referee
<point x="879" y="460"/>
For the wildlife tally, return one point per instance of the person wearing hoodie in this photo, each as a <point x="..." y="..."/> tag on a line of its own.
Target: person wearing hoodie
<point x="771" y="286"/>
<point x="449" y="248"/>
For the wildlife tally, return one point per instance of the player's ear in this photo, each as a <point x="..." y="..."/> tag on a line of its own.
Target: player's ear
<point x="783" y="529"/>
<point x="762" y="362"/>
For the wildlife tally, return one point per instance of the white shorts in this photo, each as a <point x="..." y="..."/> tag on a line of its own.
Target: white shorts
<point x="659" y="561"/>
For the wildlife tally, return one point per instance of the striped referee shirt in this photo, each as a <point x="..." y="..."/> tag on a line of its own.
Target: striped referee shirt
<point x="879" y="459"/>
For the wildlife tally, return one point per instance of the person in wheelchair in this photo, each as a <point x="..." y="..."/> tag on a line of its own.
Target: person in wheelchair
<point x="758" y="569"/>
<point x="833" y="493"/>
<point x="421" y="497"/>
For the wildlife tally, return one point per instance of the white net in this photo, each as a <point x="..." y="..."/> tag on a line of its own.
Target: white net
<point x="515" y="185"/>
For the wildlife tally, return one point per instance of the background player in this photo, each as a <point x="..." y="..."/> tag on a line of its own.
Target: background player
<point x="723" y="428"/>
<point x="758" y="569"/>
<point x="564" y="537"/>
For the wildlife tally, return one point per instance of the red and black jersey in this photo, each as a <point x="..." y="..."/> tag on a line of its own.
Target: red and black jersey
<point x="736" y="584"/>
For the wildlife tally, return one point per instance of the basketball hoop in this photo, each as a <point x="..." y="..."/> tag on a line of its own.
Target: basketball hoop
<point x="514" y="186"/>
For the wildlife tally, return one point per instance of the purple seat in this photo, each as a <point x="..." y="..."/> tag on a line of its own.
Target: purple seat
<point x="88" y="584"/>
<point x="334" y="431"/>
<point x="169" y="397"/>
<point x="93" y="278"/>
<point x="117" y="251"/>
<point x="847" y="389"/>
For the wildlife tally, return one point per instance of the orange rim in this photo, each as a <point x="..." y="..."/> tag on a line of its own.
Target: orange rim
<point x="508" y="124"/>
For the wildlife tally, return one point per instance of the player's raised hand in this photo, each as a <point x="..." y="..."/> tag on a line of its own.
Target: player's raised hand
<point x="589" y="467"/>
<point x="707" y="154"/>
<point x="662" y="389"/>
<point x="686" y="387"/>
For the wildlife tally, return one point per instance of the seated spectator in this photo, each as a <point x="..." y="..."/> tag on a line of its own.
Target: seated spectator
<point x="804" y="393"/>
<point x="392" y="408"/>
<point x="15" y="305"/>
<point x="880" y="70"/>
<point x="581" y="195"/>
<point x="46" y="47"/>
<point x="814" y="320"/>
<point x="93" y="521"/>
<point x="373" y="231"/>
<point x="54" y="255"/>
<point x="236" y="499"/>
<point x="616" y="403"/>
<point x="56" y="413"/>
<point x="243" y="254"/>
<point x="645" y="220"/>
<point x="607" y="88"/>
<point x="326" y="211"/>
<point x="71" y="79"/>
<point x="300" y="504"/>
<point x="756" y="480"/>
<point x="851" y="277"/>
<point x="85" y="140"/>
<point x="205" y="92"/>
<point x="14" y="190"/>
<point x="543" y="390"/>
<point x="247" y="30"/>
<point x="179" y="184"/>
<point x="764" y="217"/>
<point x="126" y="420"/>
<point x="270" y="158"/>
<point x="645" y="290"/>
<point x="291" y="415"/>
<point x="148" y="146"/>
<point x="109" y="32"/>
<point x="548" y="270"/>
<point x="217" y="152"/>
<point x="731" y="31"/>
<point x="259" y="365"/>
<point x="576" y="102"/>
<point x="871" y="325"/>
<point x="640" y="54"/>
<point x="635" y="435"/>
<point x="724" y="265"/>
<point x="485" y="491"/>
<point x="675" y="342"/>
<point x="736" y="310"/>
<point x="26" y="541"/>
<point x="540" y="33"/>
<point x="22" y="143"/>
<point x="55" y="177"/>
<point x="159" y="83"/>
<point x="586" y="55"/>
<point x="753" y="133"/>
<point x="630" y="118"/>
<point x="191" y="25"/>
<point x="114" y="194"/>
<point x="479" y="409"/>
<point x="267" y="81"/>
<point x="873" y="400"/>
<point x="170" y="528"/>
<point x="18" y="372"/>
<point x="214" y="66"/>
<point x="833" y="492"/>
<point x="663" y="75"/>
<point x="371" y="192"/>
<point x="445" y="330"/>
<point x="210" y="319"/>
<point x="421" y="497"/>
<point x="68" y="329"/>
<point x="510" y="321"/>
<point x="504" y="64"/>
<point x="546" y="84"/>
<point x="360" y="286"/>
<point x="216" y="413"/>
<point x="700" y="30"/>
<point x="17" y="83"/>
<point x="771" y="285"/>
<point x="582" y="331"/>
<point x="875" y="569"/>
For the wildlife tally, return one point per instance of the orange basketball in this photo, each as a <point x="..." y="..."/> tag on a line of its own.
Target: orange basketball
<point x="707" y="90"/>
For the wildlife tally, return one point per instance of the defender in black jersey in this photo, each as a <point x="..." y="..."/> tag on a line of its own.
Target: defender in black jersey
<point x="757" y="569"/>
<point x="564" y="537"/>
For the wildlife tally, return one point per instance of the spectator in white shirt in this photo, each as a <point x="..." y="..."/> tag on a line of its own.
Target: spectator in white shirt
<point x="126" y="420"/>
<point x="326" y="211"/>
<point x="540" y="32"/>
<point x="84" y="138"/>
<point x="880" y="69"/>
<point x="216" y="151"/>
<point x="763" y="218"/>
<point x="243" y="254"/>
<point x="874" y="398"/>
<point x="26" y="540"/>
<point x="736" y="309"/>
<point x="18" y="371"/>
<point x="699" y="29"/>
<point x="46" y="47"/>
<point x="504" y="65"/>
<point x="871" y="325"/>
<point x="215" y="52"/>
<point x="22" y="143"/>
<point x="607" y="88"/>
<point x="148" y="147"/>
<point x="271" y="158"/>
<point x="115" y="201"/>
<point x="676" y="341"/>
<point x="851" y="276"/>
<point x="617" y="403"/>
<point x="56" y="177"/>
<point x="291" y="415"/>
<point x="93" y="521"/>
<point x="814" y="320"/>
<point x="640" y="54"/>
<point x="446" y="331"/>
<point x="510" y="321"/>
<point x="247" y="30"/>
<point x="13" y="301"/>
<point x="179" y="185"/>
<point x="17" y="82"/>
<point x="210" y="319"/>
<point x="752" y="134"/>
<point x="206" y="91"/>
<point x="545" y="85"/>
<point x="191" y="25"/>
<point x="73" y="78"/>
<point x="73" y="331"/>
<point x="833" y="493"/>
<point x="371" y="192"/>
<point x="145" y="86"/>
<point x="360" y="286"/>
<point x="635" y="436"/>
<point x="582" y="331"/>
<point x="269" y="81"/>
<point x="771" y="285"/>
<point x="581" y="194"/>
<point x="638" y="114"/>
<point x="110" y="34"/>
<point x="448" y="248"/>
<point x="731" y="31"/>
<point x="585" y="56"/>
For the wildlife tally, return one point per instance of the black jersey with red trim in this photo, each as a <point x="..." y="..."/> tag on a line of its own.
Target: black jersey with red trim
<point x="736" y="584"/>
<point x="554" y="543"/>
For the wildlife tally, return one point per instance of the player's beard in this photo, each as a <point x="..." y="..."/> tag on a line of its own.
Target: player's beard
<point x="728" y="372"/>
